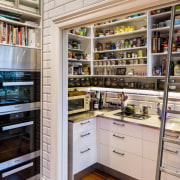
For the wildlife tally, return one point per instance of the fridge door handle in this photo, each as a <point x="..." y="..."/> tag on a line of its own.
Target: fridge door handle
<point x="8" y="173"/>
<point x="5" y="128"/>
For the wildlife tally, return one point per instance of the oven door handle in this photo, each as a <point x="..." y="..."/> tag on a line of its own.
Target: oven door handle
<point x="25" y="83"/>
<point x="5" y="128"/>
<point x="8" y="173"/>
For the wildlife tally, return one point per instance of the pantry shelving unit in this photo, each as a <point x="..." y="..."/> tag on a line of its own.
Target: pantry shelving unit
<point x="143" y="26"/>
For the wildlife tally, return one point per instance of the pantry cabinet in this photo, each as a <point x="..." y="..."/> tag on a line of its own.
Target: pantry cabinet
<point x="122" y="48"/>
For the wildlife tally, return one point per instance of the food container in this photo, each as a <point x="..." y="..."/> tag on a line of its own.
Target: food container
<point x="71" y="83"/>
<point x="82" y="82"/>
<point x="77" y="82"/>
<point x="108" y="82"/>
<point x="95" y="82"/>
<point x="100" y="82"/>
<point x="114" y="83"/>
<point x="121" y="83"/>
<point x="87" y="82"/>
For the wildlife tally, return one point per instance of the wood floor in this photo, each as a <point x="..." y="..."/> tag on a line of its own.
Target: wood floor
<point x="98" y="175"/>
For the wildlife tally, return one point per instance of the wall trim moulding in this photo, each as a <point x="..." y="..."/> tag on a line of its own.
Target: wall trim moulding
<point x="110" y="8"/>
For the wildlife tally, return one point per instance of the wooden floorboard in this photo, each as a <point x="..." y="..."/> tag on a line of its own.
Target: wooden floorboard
<point x="98" y="175"/>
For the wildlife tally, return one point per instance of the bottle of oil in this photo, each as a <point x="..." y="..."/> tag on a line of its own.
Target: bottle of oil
<point x="154" y="43"/>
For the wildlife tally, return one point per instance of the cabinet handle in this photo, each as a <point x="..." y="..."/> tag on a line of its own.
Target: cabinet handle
<point x="85" y="134"/>
<point x="122" y="154"/>
<point x="176" y="152"/>
<point x="85" y="123"/>
<point x="122" y="137"/>
<point x="118" y="124"/>
<point x="174" y="136"/>
<point x="86" y="150"/>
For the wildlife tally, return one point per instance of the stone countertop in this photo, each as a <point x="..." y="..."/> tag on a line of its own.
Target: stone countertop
<point x="173" y="123"/>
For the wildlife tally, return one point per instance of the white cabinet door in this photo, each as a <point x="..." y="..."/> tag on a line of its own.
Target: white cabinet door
<point x="150" y="150"/>
<point x="148" y="169"/>
<point x="126" y="163"/>
<point x="103" y="155"/>
<point x="151" y="134"/>
<point x="124" y="142"/>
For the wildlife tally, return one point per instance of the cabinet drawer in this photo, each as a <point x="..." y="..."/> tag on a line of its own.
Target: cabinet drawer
<point x="84" y="158"/>
<point x="84" y="139"/>
<point x="126" y="128"/>
<point x="150" y="150"/>
<point x="149" y="169"/>
<point x="171" y="156"/>
<point x="124" y="142"/>
<point x="126" y="163"/>
<point x="84" y="126"/>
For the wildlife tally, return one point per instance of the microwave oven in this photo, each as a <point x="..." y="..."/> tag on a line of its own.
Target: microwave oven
<point x="78" y="104"/>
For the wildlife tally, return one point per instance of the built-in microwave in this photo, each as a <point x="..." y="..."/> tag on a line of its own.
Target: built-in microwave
<point x="19" y="138"/>
<point x="78" y="104"/>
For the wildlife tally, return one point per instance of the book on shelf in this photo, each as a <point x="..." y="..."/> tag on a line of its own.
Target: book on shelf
<point x="13" y="35"/>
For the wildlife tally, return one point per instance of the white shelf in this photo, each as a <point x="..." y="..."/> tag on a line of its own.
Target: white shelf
<point x="127" y="65"/>
<point x="78" y="60"/>
<point x="25" y="14"/>
<point x="19" y="46"/>
<point x="17" y="23"/>
<point x="80" y="50"/>
<point x="78" y="36"/>
<point x="122" y="34"/>
<point x="162" y="54"/>
<point x="165" y="29"/>
<point x="125" y="49"/>
<point x="164" y="14"/>
<point x="120" y="59"/>
<point x="124" y="76"/>
<point x="78" y="76"/>
<point x="122" y="21"/>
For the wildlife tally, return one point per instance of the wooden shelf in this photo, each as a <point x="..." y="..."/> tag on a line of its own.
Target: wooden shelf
<point x="122" y="34"/>
<point x="125" y="49"/>
<point x="143" y="17"/>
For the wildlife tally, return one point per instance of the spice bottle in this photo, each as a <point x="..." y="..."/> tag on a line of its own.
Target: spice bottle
<point x="154" y="43"/>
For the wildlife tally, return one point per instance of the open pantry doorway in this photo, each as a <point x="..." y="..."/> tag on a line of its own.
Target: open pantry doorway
<point x="59" y="80"/>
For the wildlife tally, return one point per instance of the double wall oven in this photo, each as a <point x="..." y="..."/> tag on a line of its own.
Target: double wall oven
<point x="19" y="113"/>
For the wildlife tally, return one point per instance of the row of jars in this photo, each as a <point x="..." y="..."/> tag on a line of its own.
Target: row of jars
<point x="108" y="82"/>
<point x="120" y="62"/>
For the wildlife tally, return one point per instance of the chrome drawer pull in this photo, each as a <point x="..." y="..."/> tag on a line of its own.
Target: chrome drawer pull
<point x="86" y="150"/>
<point x="85" y="123"/>
<point x="175" y="136"/>
<point x="118" y="124"/>
<point x="122" y="154"/>
<point x="176" y="152"/>
<point x="28" y="83"/>
<point x="5" y="174"/>
<point x="85" y="134"/>
<point x="122" y="137"/>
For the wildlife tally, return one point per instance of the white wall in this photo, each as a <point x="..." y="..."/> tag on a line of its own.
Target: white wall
<point x="52" y="9"/>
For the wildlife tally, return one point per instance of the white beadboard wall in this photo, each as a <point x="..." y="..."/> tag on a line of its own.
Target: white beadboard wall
<point x="52" y="9"/>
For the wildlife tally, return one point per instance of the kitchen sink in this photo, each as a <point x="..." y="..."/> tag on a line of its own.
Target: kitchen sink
<point x="134" y="116"/>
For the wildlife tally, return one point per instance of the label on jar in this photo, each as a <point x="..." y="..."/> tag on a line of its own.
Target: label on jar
<point x="95" y="106"/>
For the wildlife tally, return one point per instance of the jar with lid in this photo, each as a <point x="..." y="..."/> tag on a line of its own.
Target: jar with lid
<point x="161" y="83"/>
<point x="108" y="82"/>
<point x="121" y="83"/>
<point x="71" y="83"/>
<point x="126" y="43"/>
<point x="80" y="69"/>
<point x="82" y="82"/>
<point x="77" y="82"/>
<point x="100" y="82"/>
<point x="87" y="82"/>
<point x="114" y="83"/>
<point x="95" y="82"/>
